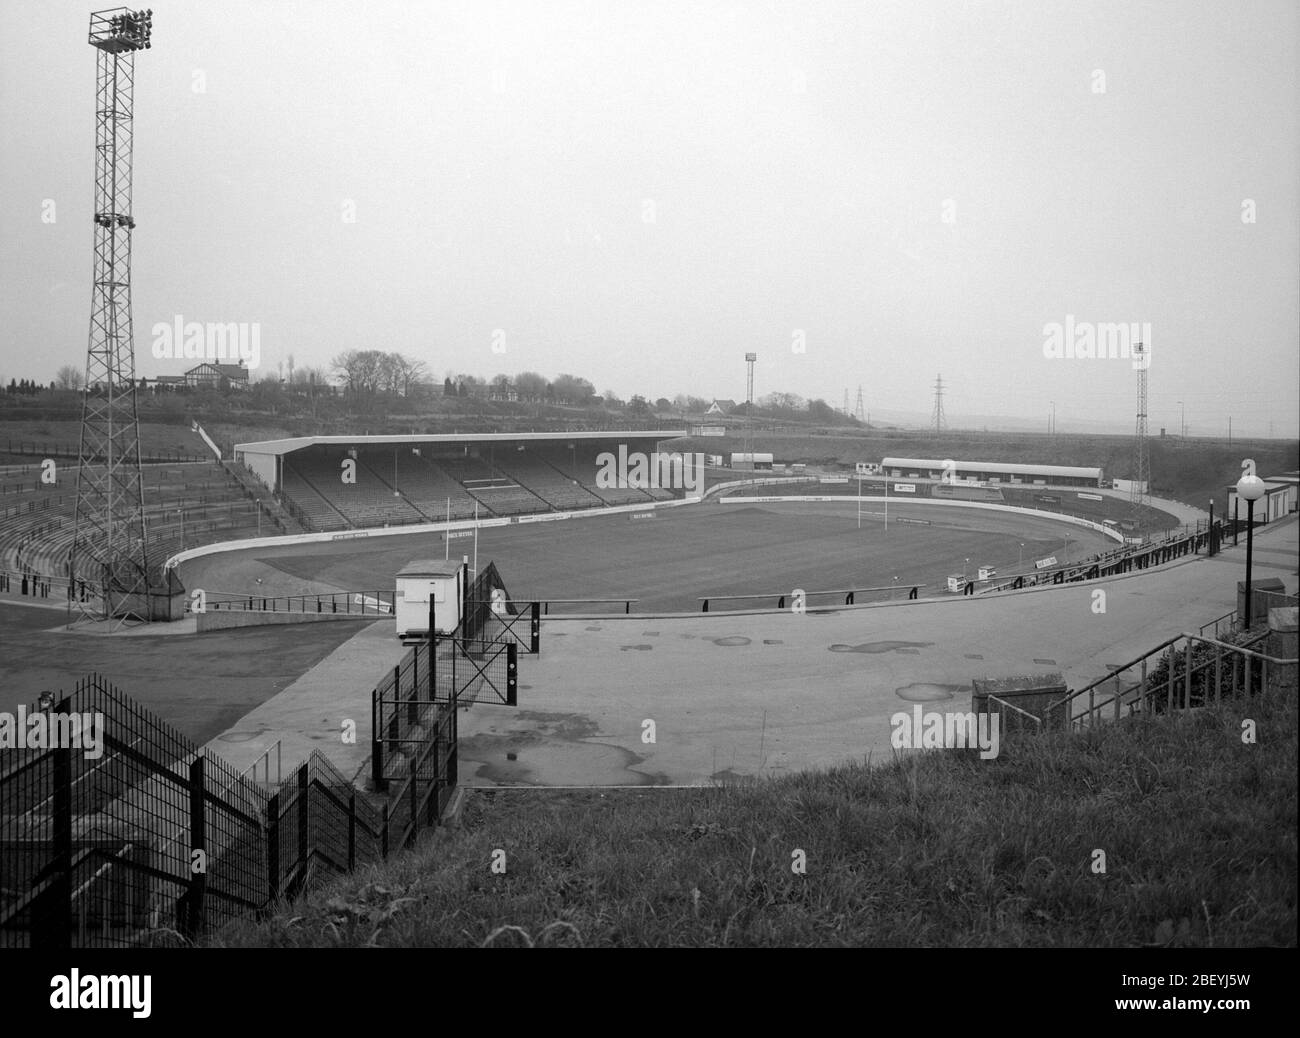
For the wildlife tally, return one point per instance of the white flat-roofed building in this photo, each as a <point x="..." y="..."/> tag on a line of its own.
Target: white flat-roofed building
<point x="993" y="472"/>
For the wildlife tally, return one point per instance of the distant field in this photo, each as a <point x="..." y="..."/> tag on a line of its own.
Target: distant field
<point x="670" y="562"/>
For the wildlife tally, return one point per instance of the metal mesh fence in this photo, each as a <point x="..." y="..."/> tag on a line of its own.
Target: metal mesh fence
<point x="116" y="830"/>
<point x="100" y="824"/>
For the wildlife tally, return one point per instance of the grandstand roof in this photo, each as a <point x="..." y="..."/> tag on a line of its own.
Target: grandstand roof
<point x="294" y="443"/>
<point x="996" y="466"/>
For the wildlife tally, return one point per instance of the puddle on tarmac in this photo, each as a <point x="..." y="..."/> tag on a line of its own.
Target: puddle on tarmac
<point x="552" y="750"/>
<point x="926" y="692"/>
<point x="635" y="648"/>
<point x="730" y="641"/>
<point x="872" y="648"/>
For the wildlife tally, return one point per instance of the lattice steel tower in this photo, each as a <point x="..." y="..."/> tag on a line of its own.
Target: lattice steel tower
<point x="936" y="416"/>
<point x="1141" y="456"/>
<point x="108" y="549"/>
<point x="749" y="407"/>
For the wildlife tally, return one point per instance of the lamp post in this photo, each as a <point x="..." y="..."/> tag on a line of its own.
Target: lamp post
<point x="258" y="502"/>
<point x="1021" y="563"/>
<point x="1209" y="532"/>
<point x="1250" y="488"/>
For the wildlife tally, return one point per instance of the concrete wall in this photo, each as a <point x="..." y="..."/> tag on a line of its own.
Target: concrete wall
<point x="226" y="619"/>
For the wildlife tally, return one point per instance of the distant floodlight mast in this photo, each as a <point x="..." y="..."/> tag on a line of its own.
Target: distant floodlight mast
<point x="108" y="563"/>
<point x="749" y="408"/>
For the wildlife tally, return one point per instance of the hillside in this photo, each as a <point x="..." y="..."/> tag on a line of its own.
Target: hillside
<point x="1199" y="833"/>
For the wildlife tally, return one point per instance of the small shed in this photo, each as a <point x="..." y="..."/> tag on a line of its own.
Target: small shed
<point x="422" y="581"/>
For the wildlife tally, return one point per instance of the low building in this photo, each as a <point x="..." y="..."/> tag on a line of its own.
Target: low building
<point x="1279" y="499"/>
<point x="992" y="472"/>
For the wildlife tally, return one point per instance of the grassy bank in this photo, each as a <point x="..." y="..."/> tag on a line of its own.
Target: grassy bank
<point x="1198" y="831"/>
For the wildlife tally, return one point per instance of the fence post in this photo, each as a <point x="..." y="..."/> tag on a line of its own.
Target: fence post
<point x="383" y="829"/>
<point x="1171" y="656"/>
<point x="273" y="848"/>
<point x="303" y="818"/>
<point x="352" y="830"/>
<point x="1187" y="674"/>
<point x="415" y="806"/>
<point x="376" y="739"/>
<point x="52" y="920"/>
<point x="512" y="674"/>
<point x="535" y="630"/>
<point x="192" y="921"/>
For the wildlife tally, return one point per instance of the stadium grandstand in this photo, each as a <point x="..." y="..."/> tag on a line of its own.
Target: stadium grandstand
<point x="994" y="472"/>
<point x="185" y="503"/>
<point x="398" y="480"/>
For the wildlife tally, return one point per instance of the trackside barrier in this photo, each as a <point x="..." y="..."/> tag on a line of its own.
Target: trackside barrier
<point x="626" y="602"/>
<point x="1124" y="560"/>
<point x="850" y="595"/>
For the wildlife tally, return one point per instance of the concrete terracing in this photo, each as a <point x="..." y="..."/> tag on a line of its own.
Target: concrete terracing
<point x="759" y="692"/>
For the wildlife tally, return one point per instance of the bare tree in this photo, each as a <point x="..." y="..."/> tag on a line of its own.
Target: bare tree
<point x="409" y="372"/>
<point x="68" y="377"/>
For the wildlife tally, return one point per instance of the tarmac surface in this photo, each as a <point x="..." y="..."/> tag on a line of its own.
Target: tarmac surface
<point x="761" y="692"/>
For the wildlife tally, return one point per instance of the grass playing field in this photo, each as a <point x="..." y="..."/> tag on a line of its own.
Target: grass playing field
<point x="670" y="562"/>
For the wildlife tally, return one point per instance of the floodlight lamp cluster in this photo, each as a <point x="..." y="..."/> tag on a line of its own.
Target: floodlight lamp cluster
<point x="121" y="30"/>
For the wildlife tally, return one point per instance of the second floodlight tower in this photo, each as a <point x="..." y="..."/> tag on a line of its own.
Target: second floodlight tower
<point x="107" y="563"/>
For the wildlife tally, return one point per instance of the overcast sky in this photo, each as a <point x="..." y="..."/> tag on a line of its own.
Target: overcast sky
<point x="640" y="192"/>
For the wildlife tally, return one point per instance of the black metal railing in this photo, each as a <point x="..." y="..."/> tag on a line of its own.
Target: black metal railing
<point x="122" y="832"/>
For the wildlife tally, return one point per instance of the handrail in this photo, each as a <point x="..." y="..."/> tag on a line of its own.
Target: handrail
<point x="1113" y="671"/>
<point x="1012" y="706"/>
<point x="1189" y="639"/>
<point x="265" y="758"/>
<point x="1241" y="649"/>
